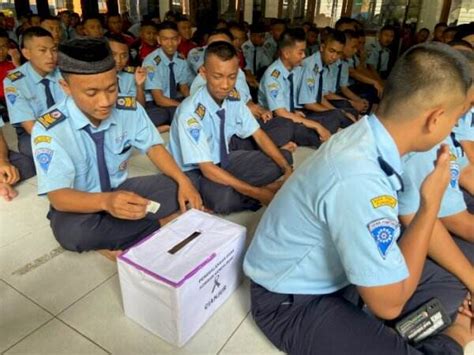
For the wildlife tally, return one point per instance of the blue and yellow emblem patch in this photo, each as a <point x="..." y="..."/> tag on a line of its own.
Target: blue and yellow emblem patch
<point x="126" y="103"/>
<point x="51" y="119"/>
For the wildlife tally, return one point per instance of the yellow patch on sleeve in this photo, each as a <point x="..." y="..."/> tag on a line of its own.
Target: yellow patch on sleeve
<point x="384" y="200"/>
<point x="43" y="139"/>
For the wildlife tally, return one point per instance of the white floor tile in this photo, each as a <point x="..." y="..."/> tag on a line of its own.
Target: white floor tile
<point x="26" y="213"/>
<point x="55" y="338"/>
<point x="52" y="277"/>
<point x="100" y="317"/>
<point x="18" y="316"/>
<point x="248" y="339"/>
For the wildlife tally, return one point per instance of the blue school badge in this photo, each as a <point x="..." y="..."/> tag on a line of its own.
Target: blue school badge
<point x="11" y="94"/>
<point x="454" y="168"/>
<point x="43" y="157"/>
<point x="150" y="72"/>
<point x="384" y="231"/>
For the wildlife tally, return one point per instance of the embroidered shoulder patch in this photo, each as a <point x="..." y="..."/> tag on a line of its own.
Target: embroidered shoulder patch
<point x="16" y="75"/>
<point x="129" y="69"/>
<point x="157" y="60"/>
<point x="200" y="111"/>
<point x="126" y="103"/>
<point x="234" y="95"/>
<point x="44" y="156"/>
<point x="383" y="231"/>
<point x="194" y="128"/>
<point x="275" y="74"/>
<point x="51" y="118"/>
<point x="383" y="200"/>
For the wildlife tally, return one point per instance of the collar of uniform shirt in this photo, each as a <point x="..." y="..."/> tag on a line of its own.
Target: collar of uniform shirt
<point x="319" y="61"/>
<point x="211" y="104"/>
<point x="36" y="77"/>
<point x="165" y="58"/>
<point x="79" y="120"/>
<point x="385" y="144"/>
<point x="284" y="71"/>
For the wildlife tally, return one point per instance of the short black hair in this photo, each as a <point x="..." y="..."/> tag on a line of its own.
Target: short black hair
<point x="4" y="34"/>
<point x="113" y="37"/>
<point x="223" y="50"/>
<point x="350" y="34"/>
<point x="461" y="43"/>
<point x="343" y="21"/>
<point x="313" y="29"/>
<point x="50" y="18"/>
<point x="182" y="18"/>
<point x="221" y="31"/>
<point x="168" y="25"/>
<point x="34" y="31"/>
<point x="278" y="21"/>
<point x="387" y="28"/>
<point x="290" y="37"/>
<point x="335" y="36"/>
<point x="257" y="28"/>
<point x="236" y="26"/>
<point x="428" y="69"/>
<point x="90" y="18"/>
<point x="424" y="29"/>
<point x="464" y="31"/>
<point x="450" y="29"/>
<point x="441" y="24"/>
<point x="148" y="23"/>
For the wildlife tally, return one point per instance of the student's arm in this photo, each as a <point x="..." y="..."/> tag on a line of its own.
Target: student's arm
<point x="388" y="301"/>
<point x="221" y="176"/>
<point x="8" y="173"/>
<point x="28" y="126"/>
<point x="445" y="252"/>
<point x="270" y="149"/>
<point x="466" y="179"/>
<point x="461" y="224"/>
<point x="359" y="75"/>
<point x="162" y="100"/>
<point x="165" y="162"/>
<point x="296" y="118"/>
<point x="140" y="78"/>
<point x="184" y="89"/>
<point x="468" y="147"/>
<point x="120" y="204"/>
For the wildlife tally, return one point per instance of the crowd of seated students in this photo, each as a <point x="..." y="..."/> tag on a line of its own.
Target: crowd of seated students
<point x="237" y="102"/>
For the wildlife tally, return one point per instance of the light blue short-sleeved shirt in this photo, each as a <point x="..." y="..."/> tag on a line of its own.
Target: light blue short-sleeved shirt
<point x="339" y="72"/>
<point x="335" y="221"/>
<point x="417" y="166"/>
<point x="374" y="50"/>
<point x="464" y="129"/>
<point x="1" y="122"/>
<point x="274" y="89"/>
<point x="65" y="154"/>
<point x="195" y="130"/>
<point x="241" y="85"/>
<point x="263" y="60"/>
<point x="270" y="46"/>
<point x="313" y="68"/>
<point x="126" y="83"/>
<point x="353" y="64"/>
<point x="196" y="59"/>
<point x="158" y="78"/>
<point x="25" y="94"/>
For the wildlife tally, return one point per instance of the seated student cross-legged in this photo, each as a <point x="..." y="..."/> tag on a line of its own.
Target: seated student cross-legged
<point x="330" y="241"/>
<point x="201" y="131"/>
<point x="81" y="149"/>
<point x="14" y="167"/>
<point x="278" y="92"/>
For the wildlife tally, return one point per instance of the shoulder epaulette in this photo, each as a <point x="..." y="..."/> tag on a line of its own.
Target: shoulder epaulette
<point x="51" y="118"/>
<point x="275" y="74"/>
<point x="234" y="95"/>
<point x="200" y="111"/>
<point x="126" y="103"/>
<point x="129" y="69"/>
<point x="14" y="76"/>
<point x="157" y="59"/>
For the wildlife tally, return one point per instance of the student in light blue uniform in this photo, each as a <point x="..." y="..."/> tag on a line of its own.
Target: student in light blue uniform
<point x="327" y="243"/>
<point x="130" y="80"/>
<point x="201" y="133"/>
<point x="33" y="87"/>
<point x="196" y="59"/>
<point x="278" y="27"/>
<point x="14" y="167"/>
<point x="82" y="147"/>
<point x="378" y="53"/>
<point x="256" y="57"/>
<point x="453" y="211"/>
<point x="278" y="91"/>
<point x="168" y="79"/>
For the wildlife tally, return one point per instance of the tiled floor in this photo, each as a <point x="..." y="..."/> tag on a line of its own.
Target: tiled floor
<point x="57" y="302"/>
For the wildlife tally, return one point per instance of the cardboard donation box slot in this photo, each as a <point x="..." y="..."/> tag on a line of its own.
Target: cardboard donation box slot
<point x="175" y="279"/>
